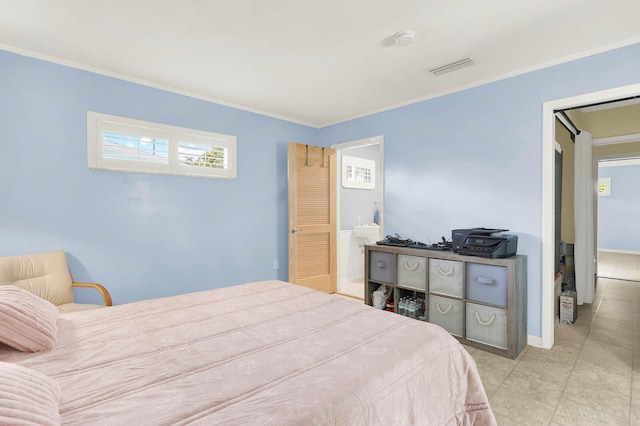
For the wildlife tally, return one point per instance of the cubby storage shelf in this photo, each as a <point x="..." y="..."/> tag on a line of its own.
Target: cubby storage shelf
<point x="481" y="302"/>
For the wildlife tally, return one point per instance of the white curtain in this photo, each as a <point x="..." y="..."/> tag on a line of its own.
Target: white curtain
<point x="584" y="197"/>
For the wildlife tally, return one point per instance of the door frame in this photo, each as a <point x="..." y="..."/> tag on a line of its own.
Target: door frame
<point x="340" y="147"/>
<point x="596" y="168"/>
<point x="546" y="339"/>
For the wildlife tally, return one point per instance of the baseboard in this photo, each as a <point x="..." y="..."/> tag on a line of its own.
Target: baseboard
<point x="534" y="341"/>
<point x="620" y="251"/>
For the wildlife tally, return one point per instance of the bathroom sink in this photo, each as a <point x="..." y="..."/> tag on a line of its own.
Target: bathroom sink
<point x="370" y="232"/>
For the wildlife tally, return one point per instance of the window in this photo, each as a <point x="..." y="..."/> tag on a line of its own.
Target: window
<point x="124" y="144"/>
<point x="358" y="173"/>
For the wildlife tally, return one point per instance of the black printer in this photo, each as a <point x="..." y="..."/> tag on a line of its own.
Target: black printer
<point x="484" y="242"/>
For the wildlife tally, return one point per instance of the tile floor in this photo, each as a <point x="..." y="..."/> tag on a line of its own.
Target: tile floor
<point x="590" y="377"/>
<point x="354" y="288"/>
<point x="622" y="266"/>
<point x="592" y="374"/>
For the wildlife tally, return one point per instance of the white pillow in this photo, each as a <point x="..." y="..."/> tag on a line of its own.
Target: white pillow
<point x="27" y="397"/>
<point x="27" y="322"/>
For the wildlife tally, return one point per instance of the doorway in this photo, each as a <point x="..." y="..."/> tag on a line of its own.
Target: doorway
<point x="618" y="250"/>
<point x="359" y="205"/>
<point x="548" y="197"/>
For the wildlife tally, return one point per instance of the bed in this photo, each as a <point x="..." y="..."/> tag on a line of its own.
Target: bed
<point x="268" y="353"/>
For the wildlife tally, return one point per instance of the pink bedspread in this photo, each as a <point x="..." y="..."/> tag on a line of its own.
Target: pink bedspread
<point x="268" y="353"/>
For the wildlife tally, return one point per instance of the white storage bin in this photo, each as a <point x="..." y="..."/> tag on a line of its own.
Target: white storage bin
<point x="487" y="283"/>
<point x="447" y="313"/>
<point x="381" y="267"/>
<point x="487" y="325"/>
<point x="445" y="277"/>
<point x="412" y="272"/>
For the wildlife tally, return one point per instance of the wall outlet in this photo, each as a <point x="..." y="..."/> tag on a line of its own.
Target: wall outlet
<point x="276" y="264"/>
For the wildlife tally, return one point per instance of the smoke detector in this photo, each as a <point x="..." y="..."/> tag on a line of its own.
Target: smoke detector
<point x="404" y="38"/>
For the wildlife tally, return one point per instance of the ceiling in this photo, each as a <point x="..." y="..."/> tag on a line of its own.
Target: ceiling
<point x="313" y="62"/>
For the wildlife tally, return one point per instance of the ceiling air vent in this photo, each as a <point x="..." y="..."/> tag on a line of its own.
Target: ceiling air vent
<point x="463" y="63"/>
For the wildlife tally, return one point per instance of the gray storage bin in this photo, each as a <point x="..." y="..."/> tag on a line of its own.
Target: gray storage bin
<point x="445" y="277"/>
<point x="487" y="283"/>
<point x="381" y="267"/>
<point x="447" y="313"/>
<point x="412" y="272"/>
<point x="487" y="325"/>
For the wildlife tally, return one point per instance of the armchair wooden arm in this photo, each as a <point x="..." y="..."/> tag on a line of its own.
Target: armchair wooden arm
<point x="103" y="291"/>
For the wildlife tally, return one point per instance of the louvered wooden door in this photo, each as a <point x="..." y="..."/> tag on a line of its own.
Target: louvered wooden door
<point x="312" y="217"/>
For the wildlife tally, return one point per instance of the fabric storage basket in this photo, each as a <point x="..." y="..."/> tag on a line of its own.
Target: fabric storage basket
<point x="487" y="283"/>
<point x="445" y="277"/>
<point x="412" y="272"/>
<point x="487" y="325"/>
<point x="447" y="313"/>
<point x="381" y="267"/>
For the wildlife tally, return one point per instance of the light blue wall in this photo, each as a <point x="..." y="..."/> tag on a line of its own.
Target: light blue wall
<point x="143" y="236"/>
<point x="473" y="158"/>
<point x="619" y="214"/>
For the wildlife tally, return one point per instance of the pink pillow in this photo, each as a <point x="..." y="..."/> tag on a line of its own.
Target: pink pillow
<point x="27" y="397"/>
<point x="27" y="322"/>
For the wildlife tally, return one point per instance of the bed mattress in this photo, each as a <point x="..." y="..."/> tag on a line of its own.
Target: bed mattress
<point x="268" y="353"/>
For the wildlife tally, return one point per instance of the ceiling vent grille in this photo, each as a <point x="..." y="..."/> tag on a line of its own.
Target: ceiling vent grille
<point x="454" y="66"/>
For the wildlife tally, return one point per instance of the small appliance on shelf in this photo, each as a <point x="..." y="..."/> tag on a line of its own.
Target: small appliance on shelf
<point x="484" y="242"/>
<point x="398" y="241"/>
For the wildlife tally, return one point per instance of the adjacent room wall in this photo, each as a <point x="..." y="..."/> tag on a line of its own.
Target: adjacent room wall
<point x="618" y="213"/>
<point x="601" y="124"/>
<point x="621" y="148"/>
<point x="142" y="236"/>
<point x="358" y="204"/>
<point x="473" y="158"/>
<point x="613" y="122"/>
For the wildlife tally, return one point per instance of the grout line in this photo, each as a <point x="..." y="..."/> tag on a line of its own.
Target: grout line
<point x="573" y="367"/>
<point x="621" y="279"/>
<point x="605" y="283"/>
<point x="566" y="383"/>
<point x="518" y="360"/>
<point x="633" y="349"/>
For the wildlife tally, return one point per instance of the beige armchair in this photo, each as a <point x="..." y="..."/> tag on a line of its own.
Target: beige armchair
<point x="47" y="275"/>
